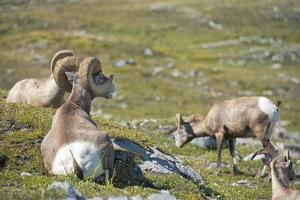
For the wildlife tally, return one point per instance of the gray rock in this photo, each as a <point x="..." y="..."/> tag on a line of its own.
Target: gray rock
<point x="40" y="59"/>
<point x="121" y="63"/>
<point x="162" y="7"/>
<point x="205" y="142"/>
<point x="156" y="161"/>
<point x="244" y="183"/>
<point x="123" y="105"/>
<point x="130" y="61"/>
<point x="25" y="174"/>
<point x="63" y="190"/>
<point x="26" y="130"/>
<point x="163" y="195"/>
<point x="136" y="198"/>
<point x="157" y="70"/>
<point x="148" y="52"/>
<point x="118" y="198"/>
<point x="276" y="66"/>
<point x="176" y="73"/>
<point x="215" y="25"/>
<point x="213" y="165"/>
<point x="248" y="142"/>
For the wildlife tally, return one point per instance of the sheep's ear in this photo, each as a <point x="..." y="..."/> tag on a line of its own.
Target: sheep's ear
<point x="225" y="129"/>
<point x="179" y="119"/>
<point x="287" y="156"/>
<point x="289" y="164"/>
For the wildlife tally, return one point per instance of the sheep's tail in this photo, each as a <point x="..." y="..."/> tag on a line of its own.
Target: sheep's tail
<point x="278" y="105"/>
<point x="77" y="169"/>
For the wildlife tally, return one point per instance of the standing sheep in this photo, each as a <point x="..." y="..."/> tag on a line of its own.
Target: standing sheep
<point x="237" y="118"/>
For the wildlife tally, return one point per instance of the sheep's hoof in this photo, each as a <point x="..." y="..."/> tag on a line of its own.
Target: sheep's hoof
<point x="236" y="171"/>
<point x="218" y="173"/>
<point x="268" y="178"/>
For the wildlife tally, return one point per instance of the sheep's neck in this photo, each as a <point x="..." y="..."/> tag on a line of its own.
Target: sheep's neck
<point x="53" y="91"/>
<point x="80" y="97"/>
<point x="200" y="129"/>
<point x="277" y="184"/>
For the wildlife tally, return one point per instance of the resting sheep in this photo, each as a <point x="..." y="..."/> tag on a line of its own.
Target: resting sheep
<point x="282" y="173"/>
<point x="74" y="144"/>
<point x="237" y="118"/>
<point x="40" y="92"/>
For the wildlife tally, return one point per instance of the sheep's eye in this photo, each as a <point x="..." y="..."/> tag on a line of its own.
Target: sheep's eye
<point x="99" y="79"/>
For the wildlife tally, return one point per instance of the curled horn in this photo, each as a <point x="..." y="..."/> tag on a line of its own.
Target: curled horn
<point x="179" y="119"/>
<point x="91" y="66"/>
<point x="60" y="55"/>
<point x="265" y="151"/>
<point x="62" y="62"/>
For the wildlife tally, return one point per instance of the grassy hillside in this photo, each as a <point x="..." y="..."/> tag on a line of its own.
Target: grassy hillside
<point x="187" y="72"/>
<point x="197" y="53"/>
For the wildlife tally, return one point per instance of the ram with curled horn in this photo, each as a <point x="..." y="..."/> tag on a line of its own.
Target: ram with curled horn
<point x="41" y="92"/>
<point x="74" y="144"/>
<point x="282" y="173"/>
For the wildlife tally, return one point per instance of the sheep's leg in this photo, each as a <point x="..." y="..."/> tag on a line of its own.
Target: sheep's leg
<point x="193" y="118"/>
<point x="232" y="143"/>
<point x="261" y="171"/>
<point x="220" y="141"/>
<point x="261" y="134"/>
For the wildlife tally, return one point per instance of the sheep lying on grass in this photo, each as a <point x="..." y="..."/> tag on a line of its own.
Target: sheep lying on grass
<point x="74" y="144"/>
<point x="282" y="173"/>
<point x="40" y="92"/>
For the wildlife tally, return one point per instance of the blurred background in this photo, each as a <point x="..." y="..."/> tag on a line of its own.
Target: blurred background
<point x="167" y="56"/>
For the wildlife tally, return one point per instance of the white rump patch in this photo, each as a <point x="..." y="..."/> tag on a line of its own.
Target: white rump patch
<point x="86" y="155"/>
<point x="266" y="106"/>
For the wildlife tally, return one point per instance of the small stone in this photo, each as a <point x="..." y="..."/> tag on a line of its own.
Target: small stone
<point x="64" y="190"/>
<point x="9" y="71"/>
<point x="123" y="105"/>
<point x="244" y="183"/>
<point x="107" y="116"/>
<point x="130" y="61"/>
<point x="162" y="7"/>
<point x="25" y="174"/>
<point x="267" y="92"/>
<point x="175" y="73"/>
<point x="21" y="158"/>
<point x="170" y="65"/>
<point x="26" y="130"/>
<point x="37" y="141"/>
<point x="120" y="63"/>
<point x="137" y="198"/>
<point x="214" y="25"/>
<point x="118" y="198"/>
<point x="276" y="66"/>
<point x="148" y="52"/>
<point x="157" y="70"/>
<point x="194" y="73"/>
<point x="161" y="196"/>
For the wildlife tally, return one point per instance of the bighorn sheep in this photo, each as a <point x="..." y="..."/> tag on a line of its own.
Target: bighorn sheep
<point x="282" y="173"/>
<point x="40" y="92"/>
<point x="74" y="144"/>
<point x="237" y="118"/>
